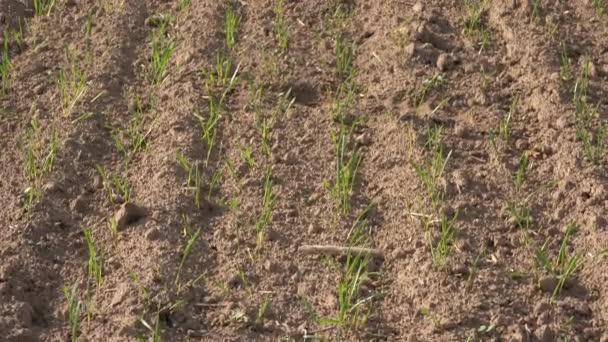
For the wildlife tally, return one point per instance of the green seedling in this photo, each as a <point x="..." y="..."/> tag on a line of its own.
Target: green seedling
<point x="193" y="177"/>
<point x="112" y="226"/>
<point x="536" y="9"/>
<point x="474" y="10"/>
<point x="505" y="127"/>
<point x="599" y="6"/>
<point x="162" y="49"/>
<point x="420" y="94"/>
<point x="17" y="34"/>
<point x="155" y="331"/>
<point x="426" y="313"/>
<point x="280" y="26"/>
<point x="143" y="292"/>
<point x="520" y="176"/>
<point x="219" y="79"/>
<point x="584" y="112"/>
<point x="521" y="215"/>
<point x="106" y="182"/>
<point x="121" y="184"/>
<point x="443" y="248"/>
<point x="565" y="64"/>
<point x="594" y="145"/>
<point x="95" y="263"/>
<point x="74" y="312"/>
<point x="214" y="182"/>
<point x="72" y="83"/>
<point x="268" y="201"/>
<point x="5" y="66"/>
<point x="39" y="159"/>
<point x="342" y="103"/>
<point x="431" y="171"/>
<point x="43" y="7"/>
<point x="231" y="23"/>
<point x="565" y="266"/>
<point x="348" y="289"/>
<point x="259" y="319"/>
<point x="247" y="156"/>
<point x="209" y="125"/>
<point x="182" y="5"/>
<point x="344" y="57"/>
<point x="186" y="253"/>
<point x="348" y="158"/>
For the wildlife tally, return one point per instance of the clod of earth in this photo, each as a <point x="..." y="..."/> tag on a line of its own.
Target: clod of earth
<point x="128" y="213"/>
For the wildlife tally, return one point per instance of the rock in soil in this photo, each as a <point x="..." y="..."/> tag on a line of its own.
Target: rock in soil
<point x="548" y="284"/>
<point x="128" y="213"/>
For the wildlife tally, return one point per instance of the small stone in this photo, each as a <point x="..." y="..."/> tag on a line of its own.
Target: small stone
<point x="521" y="144"/>
<point x="363" y="139"/>
<point x="154" y="20"/>
<point x="444" y="62"/>
<point x="459" y="269"/>
<point x="592" y="70"/>
<point x="119" y="295"/>
<point x="50" y="187"/>
<point x="97" y="182"/>
<point x="544" y="334"/>
<point x="417" y="8"/>
<point x="39" y="89"/>
<point x="289" y="158"/>
<point x="23" y="312"/>
<point x="270" y="266"/>
<point x="460" y="130"/>
<point x="548" y="284"/>
<point x="152" y="234"/>
<point x="78" y="204"/>
<point x="128" y="213"/>
<point x="312" y="229"/>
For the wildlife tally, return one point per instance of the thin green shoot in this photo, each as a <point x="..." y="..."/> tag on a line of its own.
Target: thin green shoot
<point x="344" y="57"/>
<point x="156" y="336"/>
<point x="348" y="158"/>
<point x="594" y="145"/>
<point x="565" y="64"/>
<point x="112" y="226"/>
<point x="95" y="263"/>
<point x="74" y="312"/>
<point x="39" y="158"/>
<point x="5" y="66"/>
<point x="259" y="319"/>
<point x="43" y="7"/>
<point x="214" y="182"/>
<point x="268" y="201"/>
<point x="441" y="250"/>
<point x="182" y="5"/>
<point x="431" y="171"/>
<point x="536" y="9"/>
<point x="162" y="49"/>
<point x="504" y="129"/>
<point x="231" y="23"/>
<point x="72" y="83"/>
<point x="186" y="253"/>
<point x="420" y="94"/>
<point x="247" y="156"/>
<point x="280" y="26"/>
<point x="520" y="176"/>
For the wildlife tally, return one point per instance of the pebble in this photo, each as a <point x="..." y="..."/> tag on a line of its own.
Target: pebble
<point x="548" y="284"/>
<point x="544" y="334"/>
<point x="312" y="229"/>
<point x="128" y="213"/>
<point x="444" y="62"/>
<point x="363" y="140"/>
<point x="78" y="204"/>
<point x="417" y="8"/>
<point x="152" y="234"/>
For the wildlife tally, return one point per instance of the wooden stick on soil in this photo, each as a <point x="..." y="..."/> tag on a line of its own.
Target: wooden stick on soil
<point x="339" y="250"/>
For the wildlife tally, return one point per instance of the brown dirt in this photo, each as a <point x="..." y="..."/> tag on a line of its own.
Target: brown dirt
<point x="398" y="45"/>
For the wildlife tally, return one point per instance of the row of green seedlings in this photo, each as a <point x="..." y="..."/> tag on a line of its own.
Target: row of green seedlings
<point x="593" y="138"/>
<point x="431" y="172"/>
<point x="73" y="85"/>
<point x="564" y="266"/>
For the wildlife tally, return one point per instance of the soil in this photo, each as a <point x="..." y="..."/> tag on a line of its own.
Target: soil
<point x="491" y="287"/>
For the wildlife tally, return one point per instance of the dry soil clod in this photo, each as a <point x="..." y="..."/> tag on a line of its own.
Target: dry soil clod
<point x="128" y="213"/>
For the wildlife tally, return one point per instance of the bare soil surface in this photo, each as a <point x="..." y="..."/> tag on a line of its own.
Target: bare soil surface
<point x="505" y="240"/>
